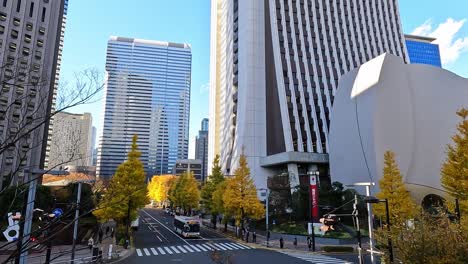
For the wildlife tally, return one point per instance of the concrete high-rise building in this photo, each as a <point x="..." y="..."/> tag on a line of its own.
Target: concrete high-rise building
<point x="189" y="165"/>
<point x="71" y="140"/>
<point x="93" y="149"/>
<point x="31" y="42"/>
<point x="422" y="50"/>
<point x="201" y="148"/>
<point x="147" y="94"/>
<point x="275" y="67"/>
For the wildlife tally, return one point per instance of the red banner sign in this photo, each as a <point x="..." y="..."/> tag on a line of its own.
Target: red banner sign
<point x="314" y="196"/>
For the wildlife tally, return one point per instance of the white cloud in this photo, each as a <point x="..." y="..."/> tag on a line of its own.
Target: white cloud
<point x="424" y="29"/>
<point x="450" y="45"/>
<point x="205" y="88"/>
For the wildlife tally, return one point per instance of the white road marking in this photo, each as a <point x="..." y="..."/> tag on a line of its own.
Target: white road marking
<point x="188" y="248"/>
<point x="159" y="238"/>
<point x="221" y="247"/>
<point x="139" y="252"/>
<point x="175" y="249"/>
<point x="154" y="251"/>
<point x="228" y="246"/>
<point x="195" y="248"/>
<point x="243" y="246"/>
<point x="166" y="227"/>
<point x="161" y="251"/>
<point x="207" y="247"/>
<point x="147" y="252"/>
<point x="234" y="245"/>
<point x="182" y="249"/>
<point x="168" y="250"/>
<point x="202" y="248"/>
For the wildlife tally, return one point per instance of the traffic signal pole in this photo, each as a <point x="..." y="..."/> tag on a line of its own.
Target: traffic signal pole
<point x="358" y="229"/>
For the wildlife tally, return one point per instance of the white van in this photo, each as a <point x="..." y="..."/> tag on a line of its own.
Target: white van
<point x="135" y="223"/>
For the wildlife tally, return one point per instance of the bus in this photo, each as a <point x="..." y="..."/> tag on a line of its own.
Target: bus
<point x="187" y="226"/>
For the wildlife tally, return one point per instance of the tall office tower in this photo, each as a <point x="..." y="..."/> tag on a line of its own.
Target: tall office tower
<point x="147" y="94"/>
<point x="93" y="150"/>
<point x="201" y="148"/>
<point x="31" y="41"/>
<point x="275" y="66"/>
<point x="71" y="141"/>
<point x="422" y="50"/>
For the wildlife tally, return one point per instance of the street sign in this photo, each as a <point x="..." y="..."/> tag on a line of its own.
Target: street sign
<point x="57" y="212"/>
<point x="314" y="196"/>
<point x="12" y="232"/>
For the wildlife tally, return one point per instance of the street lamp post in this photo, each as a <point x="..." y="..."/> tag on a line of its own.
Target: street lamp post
<point x="77" y="217"/>
<point x="369" y="215"/>
<point x="371" y="199"/>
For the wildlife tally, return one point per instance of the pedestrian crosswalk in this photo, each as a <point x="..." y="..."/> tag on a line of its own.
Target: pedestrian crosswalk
<point x="190" y="248"/>
<point x="316" y="258"/>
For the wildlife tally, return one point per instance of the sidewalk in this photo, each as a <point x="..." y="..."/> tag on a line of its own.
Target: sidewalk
<point x="62" y="253"/>
<point x="274" y="243"/>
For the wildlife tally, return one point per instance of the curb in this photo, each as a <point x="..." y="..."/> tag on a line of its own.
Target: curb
<point x="131" y="251"/>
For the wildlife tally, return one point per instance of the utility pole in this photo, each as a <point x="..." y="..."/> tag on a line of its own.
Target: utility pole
<point x="25" y="229"/>
<point x="49" y="241"/>
<point x="75" y="227"/>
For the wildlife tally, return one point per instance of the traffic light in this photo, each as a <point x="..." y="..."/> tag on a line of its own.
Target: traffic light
<point x="328" y="222"/>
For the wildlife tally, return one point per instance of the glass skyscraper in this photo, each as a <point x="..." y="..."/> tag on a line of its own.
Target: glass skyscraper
<point x="147" y="94"/>
<point x="421" y="50"/>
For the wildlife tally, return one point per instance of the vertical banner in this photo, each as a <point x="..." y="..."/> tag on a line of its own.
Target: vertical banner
<point x="314" y="197"/>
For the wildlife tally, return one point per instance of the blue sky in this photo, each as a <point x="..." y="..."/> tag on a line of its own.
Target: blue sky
<point x="91" y="22"/>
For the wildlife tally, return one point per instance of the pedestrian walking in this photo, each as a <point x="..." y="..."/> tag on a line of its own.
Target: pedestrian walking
<point x="112" y="232"/>
<point x="309" y="242"/>
<point x="90" y="243"/>
<point x="295" y="242"/>
<point x="281" y="242"/>
<point x="107" y="230"/>
<point x="100" y="235"/>
<point x="254" y="237"/>
<point x="247" y="236"/>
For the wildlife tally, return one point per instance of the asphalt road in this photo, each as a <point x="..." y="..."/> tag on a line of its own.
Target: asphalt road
<point x="156" y="242"/>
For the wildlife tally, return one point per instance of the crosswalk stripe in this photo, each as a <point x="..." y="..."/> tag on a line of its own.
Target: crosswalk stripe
<point x="242" y="246"/>
<point x="206" y="246"/>
<point x="228" y="246"/>
<point x="214" y="246"/>
<point x="147" y="252"/>
<point x="202" y="248"/>
<point x="168" y="250"/>
<point x="320" y="259"/>
<point x="175" y="249"/>
<point x="195" y="248"/>
<point x="220" y="246"/>
<point x="161" y="251"/>
<point x="182" y="249"/>
<point x="235" y="246"/>
<point x="139" y="252"/>
<point x="188" y="248"/>
<point x="154" y="251"/>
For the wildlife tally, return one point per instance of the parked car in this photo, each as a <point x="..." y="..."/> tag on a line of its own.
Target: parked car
<point x="168" y="210"/>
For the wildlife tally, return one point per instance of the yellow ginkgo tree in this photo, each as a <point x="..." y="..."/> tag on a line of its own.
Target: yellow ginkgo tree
<point x="127" y="191"/>
<point x="240" y="197"/>
<point x="455" y="168"/>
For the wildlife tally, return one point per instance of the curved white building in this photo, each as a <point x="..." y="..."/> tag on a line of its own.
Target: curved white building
<point x="409" y="109"/>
